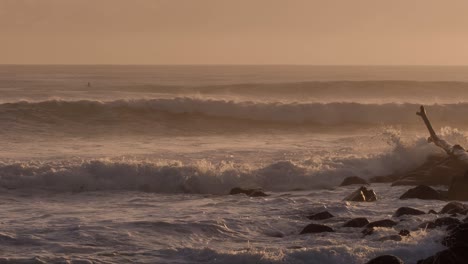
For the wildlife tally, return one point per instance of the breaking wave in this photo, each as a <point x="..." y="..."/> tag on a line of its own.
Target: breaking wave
<point x="205" y="177"/>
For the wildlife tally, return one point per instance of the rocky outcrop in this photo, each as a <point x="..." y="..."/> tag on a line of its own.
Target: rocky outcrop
<point x="320" y="216"/>
<point x="354" y="180"/>
<point x="362" y="195"/>
<point x="422" y="192"/>
<point x="437" y="170"/>
<point x="248" y="192"/>
<point x="407" y="211"/>
<point x="386" y="259"/>
<point x="454" y="208"/>
<point x="357" y="222"/>
<point x="315" y="228"/>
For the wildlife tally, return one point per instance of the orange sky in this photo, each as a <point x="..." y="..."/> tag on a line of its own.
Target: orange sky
<point x="234" y="32"/>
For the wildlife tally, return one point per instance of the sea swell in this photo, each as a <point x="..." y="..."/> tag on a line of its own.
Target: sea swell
<point x="194" y="111"/>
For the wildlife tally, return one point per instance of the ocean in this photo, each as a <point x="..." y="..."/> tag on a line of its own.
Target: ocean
<point x="133" y="164"/>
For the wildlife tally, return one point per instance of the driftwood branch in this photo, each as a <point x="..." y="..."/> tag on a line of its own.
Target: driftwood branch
<point x="455" y="151"/>
<point x="423" y="115"/>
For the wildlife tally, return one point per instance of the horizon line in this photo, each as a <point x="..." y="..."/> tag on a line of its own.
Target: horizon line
<point x="235" y="64"/>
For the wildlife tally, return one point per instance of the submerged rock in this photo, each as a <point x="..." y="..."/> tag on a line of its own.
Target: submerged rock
<point x="321" y="216"/>
<point x="248" y="192"/>
<point x="391" y="237"/>
<point x="386" y="259"/>
<point x="404" y="232"/>
<point x="362" y="195"/>
<point x="315" y="228"/>
<point x="454" y="208"/>
<point x="382" y="223"/>
<point x="357" y="222"/>
<point x="353" y="180"/>
<point x="407" y="211"/>
<point x="422" y="192"/>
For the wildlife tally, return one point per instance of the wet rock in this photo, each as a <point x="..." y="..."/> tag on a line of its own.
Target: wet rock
<point x="432" y="212"/>
<point x="368" y="231"/>
<point x="321" y="216"/>
<point x="457" y="237"/>
<point x="443" y="221"/>
<point x="315" y="228"/>
<point x="382" y="223"/>
<point x="248" y="192"/>
<point x="407" y="211"/>
<point x="386" y="259"/>
<point x="354" y="180"/>
<point x="446" y="221"/>
<point x="362" y="195"/>
<point x="356" y="222"/>
<point x="455" y="255"/>
<point x="422" y="192"/>
<point x="404" y="232"/>
<point x="454" y="208"/>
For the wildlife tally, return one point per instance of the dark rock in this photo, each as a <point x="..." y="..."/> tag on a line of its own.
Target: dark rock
<point x="407" y="211"/>
<point x="457" y="237"/>
<point x="368" y="231"/>
<point x="382" y="223"/>
<point x="321" y="216"/>
<point x="248" y="192"/>
<point x="443" y="221"/>
<point x="432" y="212"/>
<point x="386" y="259"/>
<point x="446" y="221"/>
<point x="356" y="222"/>
<point x="404" y="232"/>
<point x="362" y="195"/>
<point x="422" y="192"/>
<point x="465" y="220"/>
<point x="392" y="237"/>
<point x="454" y="255"/>
<point x="315" y="228"/>
<point x="353" y="180"/>
<point x="454" y="208"/>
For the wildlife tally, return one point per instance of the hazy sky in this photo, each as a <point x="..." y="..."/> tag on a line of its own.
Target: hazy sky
<point x="234" y="31"/>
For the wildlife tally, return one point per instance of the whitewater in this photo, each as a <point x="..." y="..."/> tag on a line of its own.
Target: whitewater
<point x="136" y="167"/>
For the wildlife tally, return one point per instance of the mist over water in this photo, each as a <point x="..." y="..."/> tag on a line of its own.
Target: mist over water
<point x="147" y="139"/>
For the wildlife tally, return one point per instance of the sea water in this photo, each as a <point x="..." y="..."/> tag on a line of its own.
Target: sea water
<point x="133" y="164"/>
